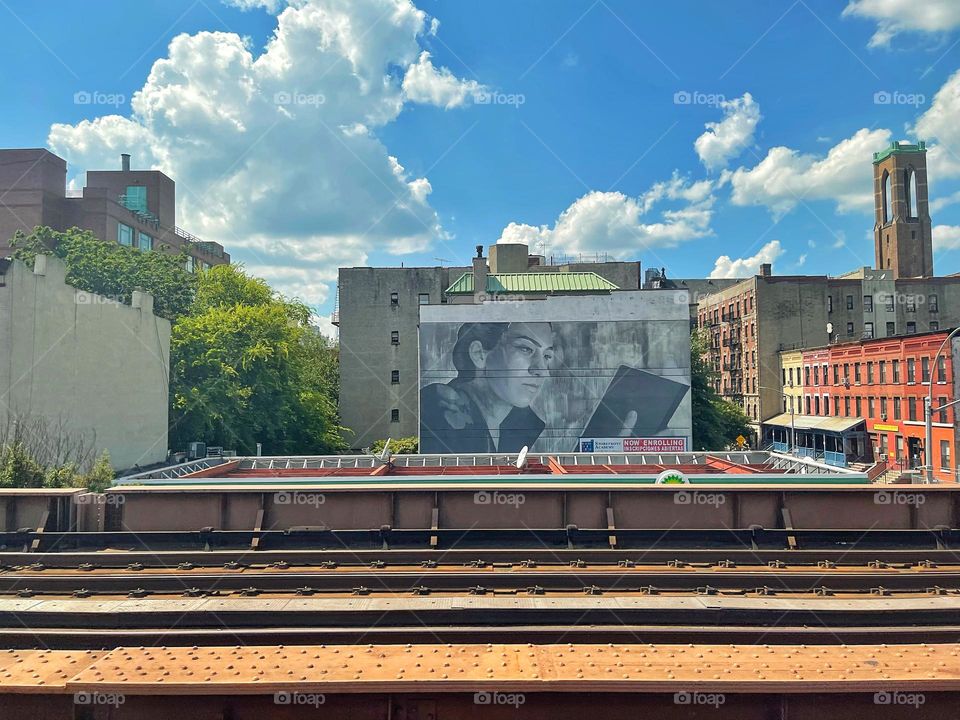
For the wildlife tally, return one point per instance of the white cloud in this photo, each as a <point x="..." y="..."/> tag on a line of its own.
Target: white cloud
<point x="946" y="237"/>
<point x="939" y="122"/>
<point x="726" y="139"/>
<point x="726" y="267"/>
<point x="897" y="16"/>
<point x="276" y="154"/>
<point x="943" y="202"/>
<point x="423" y="83"/>
<point x="786" y="177"/>
<point x="616" y="224"/>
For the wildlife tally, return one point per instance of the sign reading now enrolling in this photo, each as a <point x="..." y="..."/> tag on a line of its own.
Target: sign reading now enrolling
<point x="616" y="445"/>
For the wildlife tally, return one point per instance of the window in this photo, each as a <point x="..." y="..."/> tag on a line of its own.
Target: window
<point x="849" y="329"/>
<point x="816" y="374"/>
<point x="836" y="374"/>
<point x="395" y="376"/>
<point x="871" y="406"/>
<point x="925" y="370"/>
<point x="829" y="303"/>
<point x="896" y="408"/>
<point x="911" y="370"/>
<point x="191" y="264"/>
<point x="932" y="303"/>
<point x="146" y="242"/>
<point x="911" y="328"/>
<point x="869" y="373"/>
<point x="896" y="371"/>
<point x="816" y="405"/>
<point x="868" y="330"/>
<point x="395" y="415"/>
<point x="891" y="303"/>
<point x="394" y="337"/>
<point x="859" y="403"/>
<point x="124" y="234"/>
<point x="849" y="302"/>
<point x="934" y="325"/>
<point x="856" y="373"/>
<point x="941" y="369"/>
<point x="911" y="408"/>
<point x="423" y="298"/>
<point x="941" y="401"/>
<point x="394" y="298"/>
<point x="806" y="375"/>
<point x="846" y="406"/>
<point x="911" y="304"/>
<point x="135" y="198"/>
<point x="846" y="373"/>
<point x="887" y="196"/>
<point x="807" y="398"/>
<point x="910" y="186"/>
<point x="944" y="454"/>
<point x="891" y="329"/>
<point x="868" y="303"/>
<point x="883" y="408"/>
<point x="883" y="372"/>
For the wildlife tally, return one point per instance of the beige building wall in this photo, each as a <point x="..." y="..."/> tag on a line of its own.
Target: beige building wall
<point x="791" y="375"/>
<point x="99" y="367"/>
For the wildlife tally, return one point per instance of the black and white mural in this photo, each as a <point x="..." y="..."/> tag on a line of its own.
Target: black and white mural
<point x="606" y="373"/>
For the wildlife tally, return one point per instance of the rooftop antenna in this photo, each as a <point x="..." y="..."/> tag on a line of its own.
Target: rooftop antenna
<point x="442" y="261"/>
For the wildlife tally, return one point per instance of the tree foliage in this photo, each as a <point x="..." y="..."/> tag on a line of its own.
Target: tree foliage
<point x="113" y="270"/>
<point x="716" y="422"/>
<point x="249" y="368"/>
<point x="400" y="446"/>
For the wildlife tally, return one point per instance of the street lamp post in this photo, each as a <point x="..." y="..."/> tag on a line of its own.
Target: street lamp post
<point x="928" y="408"/>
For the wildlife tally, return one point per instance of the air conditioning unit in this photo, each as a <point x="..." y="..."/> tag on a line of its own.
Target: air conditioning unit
<point x="197" y="450"/>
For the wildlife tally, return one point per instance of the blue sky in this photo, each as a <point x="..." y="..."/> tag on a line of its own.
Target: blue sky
<point x="328" y="132"/>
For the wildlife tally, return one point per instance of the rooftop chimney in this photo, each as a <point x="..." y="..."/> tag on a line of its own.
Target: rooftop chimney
<point x="125" y="162"/>
<point x="766" y="270"/>
<point x="479" y="276"/>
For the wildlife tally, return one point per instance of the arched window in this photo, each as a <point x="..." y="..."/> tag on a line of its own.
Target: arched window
<point x="910" y="189"/>
<point x="887" y="202"/>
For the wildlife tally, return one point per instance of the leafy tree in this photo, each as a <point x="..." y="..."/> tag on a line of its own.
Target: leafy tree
<point x="716" y="422"/>
<point x="401" y="446"/>
<point x="113" y="270"/>
<point x="248" y="367"/>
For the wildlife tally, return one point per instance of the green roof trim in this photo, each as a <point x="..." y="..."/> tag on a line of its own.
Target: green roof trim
<point x="535" y="282"/>
<point x="899" y="147"/>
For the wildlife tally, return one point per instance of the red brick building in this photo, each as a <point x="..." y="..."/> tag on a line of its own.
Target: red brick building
<point x="885" y="381"/>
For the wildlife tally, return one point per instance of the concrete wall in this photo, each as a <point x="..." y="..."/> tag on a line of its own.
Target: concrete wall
<point x="100" y="367"/>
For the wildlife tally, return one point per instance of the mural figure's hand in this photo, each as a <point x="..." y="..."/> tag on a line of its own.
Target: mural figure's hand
<point x="629" y="422"/>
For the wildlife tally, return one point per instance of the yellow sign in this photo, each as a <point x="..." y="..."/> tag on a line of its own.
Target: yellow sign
<point x="886" y="428"/>
<point x="741" y="440"/>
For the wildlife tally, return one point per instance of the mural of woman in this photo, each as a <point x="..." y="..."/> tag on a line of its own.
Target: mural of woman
<point x="501" y="369"/>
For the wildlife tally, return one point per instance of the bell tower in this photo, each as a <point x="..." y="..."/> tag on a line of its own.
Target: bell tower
<point x="902" y="231"/>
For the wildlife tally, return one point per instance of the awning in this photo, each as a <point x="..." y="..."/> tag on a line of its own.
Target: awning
<point x="815" y="422"/>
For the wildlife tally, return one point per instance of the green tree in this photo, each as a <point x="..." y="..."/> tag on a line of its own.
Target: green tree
<point x="113" y="270"/>
<point x="399" y="446"/>
<point x="716" y="422"/>
<point x="248" y="367"/>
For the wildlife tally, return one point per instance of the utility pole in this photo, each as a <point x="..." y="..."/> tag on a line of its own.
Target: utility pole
<point x="928" y="409"/>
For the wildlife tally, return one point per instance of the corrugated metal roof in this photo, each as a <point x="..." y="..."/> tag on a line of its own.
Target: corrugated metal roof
<point x="815" y="422"/>
<point x="535" y="282"/>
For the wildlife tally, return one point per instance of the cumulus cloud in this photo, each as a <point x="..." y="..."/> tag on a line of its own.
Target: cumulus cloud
<point x="898" y="16"/>
<point x="726" y="139"/>
<point x="276" y="154"/>
<point x="727" y="267"/>
<point x="946" y="237"/>
<point x="423" y="83"/>
<point x="939" y="123"/>
<point x="785" y="177"/>
<point x="619" y="225"/>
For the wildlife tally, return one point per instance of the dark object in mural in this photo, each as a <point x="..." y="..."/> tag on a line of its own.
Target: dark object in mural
<point x="638" y="401"/>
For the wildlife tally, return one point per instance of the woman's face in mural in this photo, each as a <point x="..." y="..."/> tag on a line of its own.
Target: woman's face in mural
<point x="517" y="367"/>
